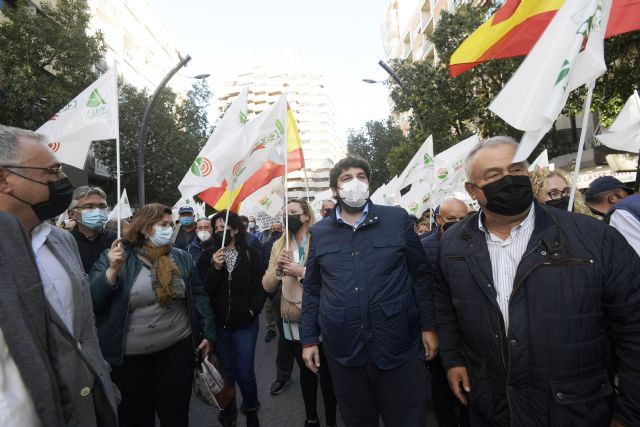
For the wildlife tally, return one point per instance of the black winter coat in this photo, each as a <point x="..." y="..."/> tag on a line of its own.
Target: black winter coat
<point x="236" y="302"/>
<point x="576" y="297"/>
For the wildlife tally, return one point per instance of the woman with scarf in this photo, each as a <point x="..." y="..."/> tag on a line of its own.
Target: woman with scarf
<point x="232" y="276"/>
<point x="286" y="269"/>
<point x="152" y="313"/>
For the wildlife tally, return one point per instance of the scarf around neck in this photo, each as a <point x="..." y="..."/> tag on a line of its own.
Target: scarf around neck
<point x="166" y="278"/>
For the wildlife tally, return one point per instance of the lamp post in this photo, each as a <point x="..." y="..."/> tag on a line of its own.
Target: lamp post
<point x="145" y="122"/>
<point x="398" y="80"/>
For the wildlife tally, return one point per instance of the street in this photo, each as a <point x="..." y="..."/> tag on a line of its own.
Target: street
<point x="284" y="410"/>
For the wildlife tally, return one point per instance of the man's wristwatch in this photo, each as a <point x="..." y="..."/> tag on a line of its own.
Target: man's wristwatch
<point x="279" y="272"/>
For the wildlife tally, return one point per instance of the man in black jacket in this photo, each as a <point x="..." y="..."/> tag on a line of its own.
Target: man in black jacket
<point x="532" y="303"/>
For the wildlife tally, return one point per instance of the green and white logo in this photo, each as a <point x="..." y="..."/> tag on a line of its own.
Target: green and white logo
<point x="96" y="105"/>
<point x="201" y="167"/>
<point x="442" y="173"/>
<point x="428" y="160"/>
<point x="243" y="118"/>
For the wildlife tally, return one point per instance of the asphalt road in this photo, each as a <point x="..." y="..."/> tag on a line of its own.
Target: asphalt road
<point x="284" y="410"/>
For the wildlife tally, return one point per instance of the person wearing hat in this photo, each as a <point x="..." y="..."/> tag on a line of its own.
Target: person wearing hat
<point x="603" y="193"/>
<point x="185" y="231"/>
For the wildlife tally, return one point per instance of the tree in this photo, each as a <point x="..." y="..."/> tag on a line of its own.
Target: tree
<point x="373" y="143"/>
<point x="177" y="132"/>
<point x="453" y="109"/>
<point x="47" y="58"/>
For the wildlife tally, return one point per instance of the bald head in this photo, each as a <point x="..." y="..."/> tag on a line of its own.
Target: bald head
<point x="451" y="210"/>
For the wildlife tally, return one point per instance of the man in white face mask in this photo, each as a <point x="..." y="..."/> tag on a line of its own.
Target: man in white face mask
<point x="203" y="239"/>
<point x="368" y="292"/>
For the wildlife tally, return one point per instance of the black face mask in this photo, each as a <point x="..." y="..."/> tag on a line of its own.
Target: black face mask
<point x="509" y="196"/>
<point x="448" y="225"/>
<point x="227" y="236"/>
<point x="561" y="203"/>
<point x="60" y="196"/>
<point x="294" y="223"/>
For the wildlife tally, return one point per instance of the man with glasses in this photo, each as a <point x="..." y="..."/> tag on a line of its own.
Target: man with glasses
<point x="90" y="211"/>
<point x="535" y="306"/>
<point x="34" y="189"/>
<point x="327" y="206"/>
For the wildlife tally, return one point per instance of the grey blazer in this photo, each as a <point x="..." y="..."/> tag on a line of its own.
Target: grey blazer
<point x="79" y="356"/>
<point x="24" y="324"/>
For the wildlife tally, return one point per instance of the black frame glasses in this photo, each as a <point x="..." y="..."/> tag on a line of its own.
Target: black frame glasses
<point x="53" y="170"/>
<point x="557" y="194"/>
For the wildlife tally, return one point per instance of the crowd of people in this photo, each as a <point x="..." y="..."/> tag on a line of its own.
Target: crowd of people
<point x="520" y="313"/>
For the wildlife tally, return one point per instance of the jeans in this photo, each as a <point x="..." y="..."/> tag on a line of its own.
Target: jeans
<point x="156" y="383"/>
<point x="236" y="350"/>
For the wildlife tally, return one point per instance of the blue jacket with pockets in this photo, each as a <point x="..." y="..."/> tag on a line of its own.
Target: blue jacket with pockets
<point x="368" y="291"/>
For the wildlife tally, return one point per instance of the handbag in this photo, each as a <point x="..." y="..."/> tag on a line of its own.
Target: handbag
<point x="291" y="306"/>
<point x="209" y="383"/>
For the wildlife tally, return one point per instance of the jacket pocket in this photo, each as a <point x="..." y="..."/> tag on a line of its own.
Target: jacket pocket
<point x="585" y="402"/>
<point x="329" y="248"/>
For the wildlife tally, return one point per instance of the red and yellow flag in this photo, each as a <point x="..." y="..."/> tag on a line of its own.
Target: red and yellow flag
<point x="218" y="197"/>
<point x="516" y="27"/>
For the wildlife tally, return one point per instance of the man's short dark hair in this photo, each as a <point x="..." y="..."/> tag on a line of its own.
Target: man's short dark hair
<point x="346" y="163"/>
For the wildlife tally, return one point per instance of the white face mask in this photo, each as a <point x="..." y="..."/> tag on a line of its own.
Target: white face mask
<point x="354" y="193"/>
<point x="203" y="235"/>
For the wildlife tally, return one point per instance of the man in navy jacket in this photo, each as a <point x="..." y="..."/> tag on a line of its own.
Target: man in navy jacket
<point x="368" y="293"/>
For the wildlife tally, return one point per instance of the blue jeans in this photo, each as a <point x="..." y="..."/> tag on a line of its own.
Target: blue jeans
<point x="236" y="350"/>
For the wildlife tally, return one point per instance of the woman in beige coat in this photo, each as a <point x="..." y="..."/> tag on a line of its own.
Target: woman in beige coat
<point x="286" y="269"/>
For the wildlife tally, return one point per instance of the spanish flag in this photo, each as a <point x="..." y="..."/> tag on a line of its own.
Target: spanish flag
<point x="218" y="197"/>
<point x="516" y="27"/>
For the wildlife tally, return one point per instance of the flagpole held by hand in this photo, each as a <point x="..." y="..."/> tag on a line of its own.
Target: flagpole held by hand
<point x="118" y="180"/>
<point x="226" y="220"/>
<point x="286" y="172"/>
<point x="583" y="134"/>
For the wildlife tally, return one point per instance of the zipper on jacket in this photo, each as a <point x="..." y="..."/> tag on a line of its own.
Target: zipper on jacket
<point x="571" y="261"/>
<point x="226" y="322"/>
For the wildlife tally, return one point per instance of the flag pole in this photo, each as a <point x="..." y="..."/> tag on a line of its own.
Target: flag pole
<point x="226" y="219"/>
<point x="286" y="172"/>
<point x="583" y="134"/>
<point x="118" y="179"/>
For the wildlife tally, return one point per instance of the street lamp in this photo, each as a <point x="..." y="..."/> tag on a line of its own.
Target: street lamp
<point x="397" y="79"/>
<point x="145" y="122"/>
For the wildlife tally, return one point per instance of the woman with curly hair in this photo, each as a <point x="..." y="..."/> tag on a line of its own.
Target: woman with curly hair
<point x="553" y="188"/>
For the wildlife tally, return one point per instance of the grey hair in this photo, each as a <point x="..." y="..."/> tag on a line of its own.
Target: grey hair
<point x="10" y="145"/>
<point x="86" y="191"/>
<point x="489" y="142"/>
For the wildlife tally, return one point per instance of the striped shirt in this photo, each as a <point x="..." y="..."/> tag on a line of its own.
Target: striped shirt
<point x="505" y="257"/>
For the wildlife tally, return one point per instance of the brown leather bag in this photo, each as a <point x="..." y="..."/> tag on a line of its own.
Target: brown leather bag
<point x="291" y="302"/>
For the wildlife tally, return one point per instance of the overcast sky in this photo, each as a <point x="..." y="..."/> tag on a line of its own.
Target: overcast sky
<point x="341" y="39"/>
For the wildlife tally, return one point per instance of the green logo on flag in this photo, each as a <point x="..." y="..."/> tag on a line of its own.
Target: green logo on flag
<point x="279" y="127"/>
<point x="95" y="99"/>
<point x="201" y="167"/>
<point x="428" y="160"/>
<point x="243" y="117"/>
<point x="442" y="174"/>
<point x="413" y="207"/>
<point x="125" y="200"/>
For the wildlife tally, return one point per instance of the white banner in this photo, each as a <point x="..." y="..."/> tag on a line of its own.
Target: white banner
<point x="90" y="116"/>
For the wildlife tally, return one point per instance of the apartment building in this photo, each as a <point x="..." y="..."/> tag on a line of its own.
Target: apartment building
<point x="311" y="103"/>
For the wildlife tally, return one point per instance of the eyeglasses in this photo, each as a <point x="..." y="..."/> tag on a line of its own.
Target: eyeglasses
<point x="91" y="206"/>
<point x="54" y="171"/>
<point x="558" y="194"/>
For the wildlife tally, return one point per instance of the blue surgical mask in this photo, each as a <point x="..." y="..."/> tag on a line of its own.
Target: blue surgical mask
<point x="94" y="219"/>
<point x="161" y="237"/>
<point x="187" y="220"/>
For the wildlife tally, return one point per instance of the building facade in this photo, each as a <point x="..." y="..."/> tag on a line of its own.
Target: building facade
<point x="308" y="94"/>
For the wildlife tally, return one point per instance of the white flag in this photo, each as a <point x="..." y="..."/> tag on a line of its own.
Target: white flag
<point x="569" y="54"/>
<point x="451" y="160"/>
<point x="624" y="133"/>
<point x="541" y="161"/>
<point x="421" y="166"/>
<point x="268" y="199"/>
<point x="90" y="116"/>
<point x="391" y="194"/>
<point x="416" y="200"/>
<point x="199" y="176"/>
<point x="125" y="208"/>
<point x="243" y="154"/>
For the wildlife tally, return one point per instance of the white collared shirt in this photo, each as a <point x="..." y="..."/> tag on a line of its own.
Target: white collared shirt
<point x="505" y="257"/>
<point x="16" y="405"/>
<point x="55" y="279"/>
<point x="628" y="226"/>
